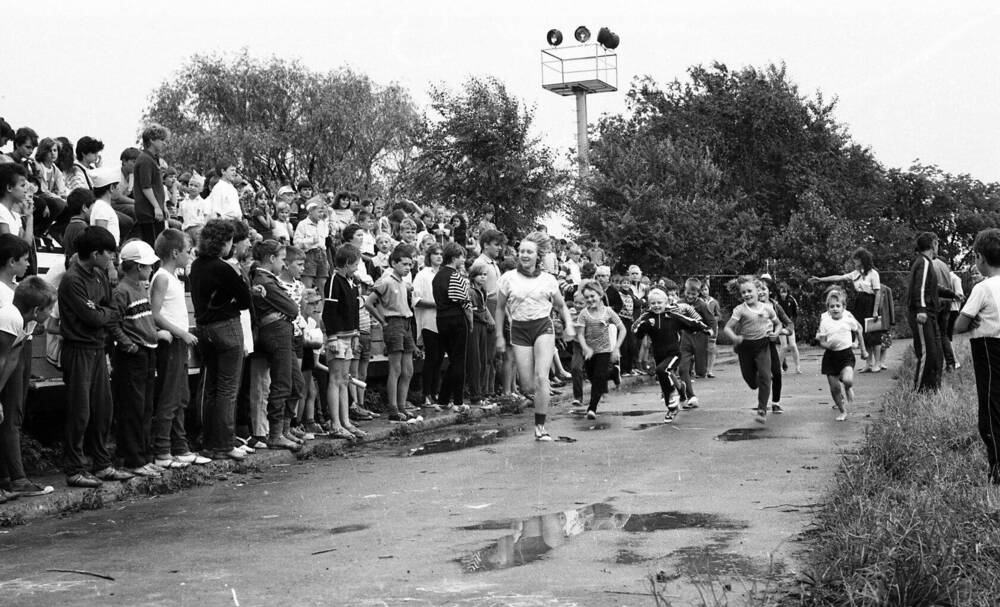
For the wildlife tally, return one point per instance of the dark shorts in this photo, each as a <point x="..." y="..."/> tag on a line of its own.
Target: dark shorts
<point x="527" y="332"/>
<point x="364" y="351"/>
<point x="398" y="335"/>
<point x="316" y="264"/>
<point x="835" y="361"/>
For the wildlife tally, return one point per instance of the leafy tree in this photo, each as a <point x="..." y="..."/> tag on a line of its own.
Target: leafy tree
<point x="281" y="121"/>
<point x="478" y="154"/>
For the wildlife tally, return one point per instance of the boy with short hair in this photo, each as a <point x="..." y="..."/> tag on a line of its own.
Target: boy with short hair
<point x="78" y="205"/>
<point x="389" y="304"/>
<point x="87" y="315"/>
<point x="32" y="301"/>
<point x="310" y="236"/>
<point x="981" y="315"/>
<point x="168" y="305"/>
<point x="694" y="344"/>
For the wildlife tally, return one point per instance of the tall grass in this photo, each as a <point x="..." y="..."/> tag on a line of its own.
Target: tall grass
<point x="911" y="519"/>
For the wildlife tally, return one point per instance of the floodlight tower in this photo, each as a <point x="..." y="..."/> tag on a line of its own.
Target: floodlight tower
<point x="580" y="70"/>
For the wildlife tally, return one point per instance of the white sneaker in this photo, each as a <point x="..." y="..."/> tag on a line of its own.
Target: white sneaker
<point x="192" y="458"/>
<point x="692" y="403"/>
<point x="145" y="471"/>
<point x="842" y="416"/>
<point x="674" y="401"/>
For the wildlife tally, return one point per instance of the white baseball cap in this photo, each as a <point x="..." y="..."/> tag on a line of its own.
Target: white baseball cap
<point x="106" y="175"/>
<point x="139" y="252"/>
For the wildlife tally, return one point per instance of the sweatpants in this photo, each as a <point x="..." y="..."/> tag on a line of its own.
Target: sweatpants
<point x="944" y="337"/>
<point x="694" y="358"/>
<point x="171" y="399"/>
<point x="986" y="362"/>
<point x="88" y="408"/>
<point x="775" y="374"/>
<point x="927" y="348"/>
<point x="597" y="368"/>
<point x="755" y="366"/>
<point x="132" y="383"/>
<point x="478" y="351"/>
<point x="576" y="370"/>
<point x="12" y="399"/>
<point x="666" y="367"/>
<point x="454" y="333"/>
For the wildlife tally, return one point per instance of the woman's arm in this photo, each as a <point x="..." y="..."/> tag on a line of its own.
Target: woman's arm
<point x="831" y="278"/>
<point x="500" y="317"/>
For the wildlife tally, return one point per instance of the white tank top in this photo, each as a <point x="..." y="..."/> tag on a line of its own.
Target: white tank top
<point x="174" y="304"/>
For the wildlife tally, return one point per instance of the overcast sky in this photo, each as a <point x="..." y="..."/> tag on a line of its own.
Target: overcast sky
<point x="914" y="79"/>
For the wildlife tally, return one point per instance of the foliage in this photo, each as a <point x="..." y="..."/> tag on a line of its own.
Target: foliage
<point x="281" y="122"/>
<point x="477" y="154"/>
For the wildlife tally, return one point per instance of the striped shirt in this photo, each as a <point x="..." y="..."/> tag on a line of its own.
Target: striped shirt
<point x="136" y="325"/>
<point x="451" y="293"/>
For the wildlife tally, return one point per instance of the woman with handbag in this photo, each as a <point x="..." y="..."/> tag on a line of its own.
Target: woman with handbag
<point x="867" y="302"/>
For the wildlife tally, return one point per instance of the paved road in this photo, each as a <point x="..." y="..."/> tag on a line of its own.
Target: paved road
<point x="505" y="521"/>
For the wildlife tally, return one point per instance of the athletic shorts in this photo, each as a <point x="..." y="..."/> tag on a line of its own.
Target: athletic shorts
<point x="316" y="264"/>
<point x="340" y="347"/>
<point x="527" y="332"/>
<point x="834" y="361"/>
<point x="398" y="335"/>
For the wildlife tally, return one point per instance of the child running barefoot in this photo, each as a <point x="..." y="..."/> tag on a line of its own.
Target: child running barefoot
<point x="751" y="328"/>
<point x="837" y="330"/>
<point x="662" y="324"/>
<point x="593" y="331"/>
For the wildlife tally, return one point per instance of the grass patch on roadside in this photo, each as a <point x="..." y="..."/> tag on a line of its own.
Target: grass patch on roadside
<point x="910" y="518"/>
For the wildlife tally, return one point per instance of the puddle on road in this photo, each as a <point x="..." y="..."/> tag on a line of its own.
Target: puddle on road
<point x="648" y="425"/>
<point x="742" y="434"/>
<point x="637" y="413"/>
<point x="464" y="441"/>
<point x="347" y="529"/>
<point x="598" y="426"/>
<point x="628" y="557"/>
<point x="532" y="538"/>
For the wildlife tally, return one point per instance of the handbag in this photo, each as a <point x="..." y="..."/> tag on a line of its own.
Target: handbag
<point x="873" y="324"/>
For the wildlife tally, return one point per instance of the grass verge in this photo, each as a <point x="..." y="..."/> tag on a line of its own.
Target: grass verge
<point x="910" y="518"/>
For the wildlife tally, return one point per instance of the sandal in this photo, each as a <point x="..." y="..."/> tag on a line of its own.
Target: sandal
<point x="341" y="433"/>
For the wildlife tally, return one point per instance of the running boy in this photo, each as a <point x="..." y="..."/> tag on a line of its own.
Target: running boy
<point x="751" y="328"/>
<point x="837" y="331"/>
<point x="981" y="315"/>
<point x="694" y="344"/>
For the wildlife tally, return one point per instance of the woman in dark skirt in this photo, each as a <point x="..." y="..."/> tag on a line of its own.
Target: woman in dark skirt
<point x="868" y="286"/>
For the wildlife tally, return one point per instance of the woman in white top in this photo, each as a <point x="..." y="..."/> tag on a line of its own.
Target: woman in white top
<point x="425" y="311"/>
<point x="867" y="301"/>
<point x="526" y="299"/>
<point x="224" y="201"/>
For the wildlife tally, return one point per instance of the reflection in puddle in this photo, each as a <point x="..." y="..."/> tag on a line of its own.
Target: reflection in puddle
<point x="531" y="538"/>
<point x="582" y="412"/>
<point x="741" y="434"/>
<point x="455" y="443"/>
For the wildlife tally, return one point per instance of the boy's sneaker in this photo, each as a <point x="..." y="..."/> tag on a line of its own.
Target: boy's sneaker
<point x="298" y="432"/>
<point x="112" y="474"/>
<point x="314" y="429"/>
<point x="234" y="454"/>
<point x="692" y="403"/>
<point x="842" y="416"/>
<point x="83" y="479"/>
<point x="575" y="403"/>
<point x="776" y="408"/>
<point x="192" y="459"/>
<point x="26" y="488"/>
<point x="674" y="401"/>
<point x="256" y="442"/>
<point x="591" y="414"/>
<point x="761" y="416"/>
<point x="172" y="462"/>
<point x="145" y="471"/>
<point x="542" y="435"/>
<point x="670" y="415"/>
<point x="356" y="413"/>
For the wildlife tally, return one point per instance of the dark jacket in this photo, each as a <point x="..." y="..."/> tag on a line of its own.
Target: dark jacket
<point x="85" y="311"/>
<point x="664" y="331"/>
<point x="218" y="291"/>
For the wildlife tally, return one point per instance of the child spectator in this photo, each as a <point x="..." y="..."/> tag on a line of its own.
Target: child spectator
<point x="33" y="298"/>
<point x="102" y="214"/>
<point x="694" y="344"/>
<point x="87" y="315"/>
<point x="594" y="336"/>
<point x="312" y="338"/>
<point x="981" y="315"/>
<point x="282" y="226"/>
<point x="751" y="328"/>
<point x="290" y="281"/>
<point x="218" y="294"/>
<point x="310" y="237"/>
<point x="15" y="201"/>
<point x="192" y="207"/>
<point x="836" y="333"/>
<point x="169" y="308"/>
<point x="367" y="222"/>
<point x="341" y="214"/>
<point x="479" y="346"/>
<point x="340" y="321"/>
<point x="389" y="305"/>
<point x="662" y="324"/>
<point x="275" y="312"/>
<point x="454" y="322"/>
<point x="425" y="313"/>
<point x="383" y="247"/>
<point x="78" y="205"/>
<point x="134" y="358"/>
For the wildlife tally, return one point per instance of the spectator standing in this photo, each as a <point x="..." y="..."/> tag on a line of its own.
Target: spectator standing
<point x="454" y="321"/>
<point x="923" y="307"/>
<point x="150" y="197"/>
<point x="425" y="312"/>
<point x="224" y="200"/>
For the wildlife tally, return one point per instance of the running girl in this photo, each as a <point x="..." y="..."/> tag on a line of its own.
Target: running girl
<point x="527" y="296"/>
<point x="751" y="328"/>
<point x="593" y="325"/>
<point x="837" y="331"/>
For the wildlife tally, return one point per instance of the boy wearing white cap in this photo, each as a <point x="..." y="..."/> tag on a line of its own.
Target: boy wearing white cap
<point x="134" y="358"/>
<point x="102" y="213"/>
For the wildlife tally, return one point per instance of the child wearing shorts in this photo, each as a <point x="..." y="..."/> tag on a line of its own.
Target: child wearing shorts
<point x="837" y="332"/>
<point x="341" y="320"/>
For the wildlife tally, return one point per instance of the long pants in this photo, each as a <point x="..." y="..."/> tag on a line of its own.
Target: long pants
<point x="986" y="362"/>
<point x="12" y="399"/>
<point x="944" y="336"/>
<point x="489" y="370"/>
<point x="171" y="399"/>
<point x="598" y="368"/>
<point x="88" y="408"/>
<point x="775" y="374"/>
<point x="454" y="334"/>
<point x="711" y="351"/>
<point x="927" y="348"/>
<point x="133" y="379"/>
<point x="576" y="370"/>
<point x="430" y="377"/>
<point x="755" y="366"/>
<point x="694" y="357"/>
<point x="666" y="367"/>
<point x="221" y="346"/>
<point x="628" y="348"/>
<point x="479" y="350"/>
<point x="274" y="358"/>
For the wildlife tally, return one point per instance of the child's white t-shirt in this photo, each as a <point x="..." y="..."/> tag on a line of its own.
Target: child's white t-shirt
<point x="102" y="211"/>
<point x="838" y="331"/>
<point x="12" y="323"/>
<point x="984" y="303"/>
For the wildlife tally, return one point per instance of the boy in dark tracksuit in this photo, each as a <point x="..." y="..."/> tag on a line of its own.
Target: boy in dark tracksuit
<point x="663" y="324"/>
<point x="923" y="307"/>
<point x="86" y="315"/>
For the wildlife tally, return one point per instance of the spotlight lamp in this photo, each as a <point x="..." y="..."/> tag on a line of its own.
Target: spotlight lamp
<point x="554" y="37"/>
<point x="582" y="34"/>
<point x="607" y="39"/>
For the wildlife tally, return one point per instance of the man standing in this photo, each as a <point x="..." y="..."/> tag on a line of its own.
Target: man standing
<point x="923" y="307"/>
<point x="150" y="197"/>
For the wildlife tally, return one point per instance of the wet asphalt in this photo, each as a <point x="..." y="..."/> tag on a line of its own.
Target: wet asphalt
<point x="479" y="514"/>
